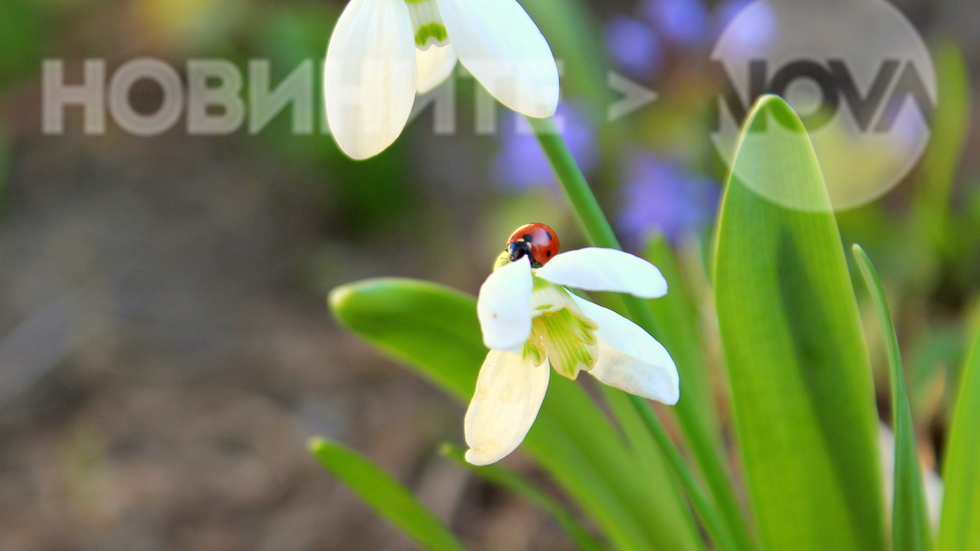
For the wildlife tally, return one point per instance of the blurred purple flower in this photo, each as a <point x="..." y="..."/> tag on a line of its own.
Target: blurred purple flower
<point x="521" y="163"/>
<point x="633" y="45"/>
<point x="728" y="10"/>
<point x="754" y="31"/>
<point x="682" y="22"/>
<point x="661" y="195"/>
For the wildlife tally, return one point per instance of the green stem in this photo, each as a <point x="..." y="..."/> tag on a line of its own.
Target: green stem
<point x="910" y="527"/>
<point x="706" y="510"/>
<point x="600" y="234"/>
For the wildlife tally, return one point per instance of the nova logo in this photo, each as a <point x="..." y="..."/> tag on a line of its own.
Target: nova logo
<point x="857" y="73"/>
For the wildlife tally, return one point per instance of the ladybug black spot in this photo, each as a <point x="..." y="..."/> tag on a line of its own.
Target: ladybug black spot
<point x="548" y="254"/>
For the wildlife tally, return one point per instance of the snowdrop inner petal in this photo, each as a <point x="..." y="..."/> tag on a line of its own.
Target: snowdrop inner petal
<point x="497" y="41"/>
<point x="434" y="66"/>
<point x="429" y="29"/>
<point x="508" y="395"/>
<point x="630" y="359"/>
<point x="597" y="269"/>
<point x="370" y="76"/>
<point x="504" y="307"/>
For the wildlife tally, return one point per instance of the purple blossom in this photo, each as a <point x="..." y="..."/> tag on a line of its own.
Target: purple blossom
<point x="756" y="27"/>
<point x="521" y="163"/>
<point x="634" y="45"/>
<point x="661" y="195"/>
<point x="684" y="23"/>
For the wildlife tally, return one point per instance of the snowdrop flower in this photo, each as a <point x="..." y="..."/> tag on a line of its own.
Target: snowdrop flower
<point x="384" y="51"/>
<point x="532" y="323"/>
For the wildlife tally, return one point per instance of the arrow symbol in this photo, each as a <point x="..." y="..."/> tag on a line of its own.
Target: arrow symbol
<point x="635" y="96"/>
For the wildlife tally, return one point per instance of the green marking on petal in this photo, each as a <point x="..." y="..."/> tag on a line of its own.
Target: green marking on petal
<point x="567" y="338"/>
<point x="427" y="22"/>
<point x="434" y="31"/>
<point x="541" y="284"/>
<point x="560" y="331"/>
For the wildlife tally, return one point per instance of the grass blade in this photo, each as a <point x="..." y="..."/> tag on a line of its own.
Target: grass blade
<point x="385" y="495"/>
<point x="910" y="527"/>
<point x="521" y="486"/>
<point x="960" y="526"/>
<point x="681" y="334"/>
<point x="942" y="158"/>
<point x="801" y="386"/>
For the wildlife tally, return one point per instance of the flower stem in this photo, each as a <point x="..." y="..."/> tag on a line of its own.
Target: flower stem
<point x="600" y="234"/>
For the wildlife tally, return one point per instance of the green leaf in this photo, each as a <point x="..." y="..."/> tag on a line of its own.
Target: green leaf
<point x="428" y="326"/>
<point x="681" y="334"/>
<point x="960" y="527"/>
<point x="516" y="483"/>
<point x="385" y="495"/>
<point x="910" y="527"/>
<point x="435" y="330"/>
<point x="941" y="160"/>
<point x="801" y="386"/>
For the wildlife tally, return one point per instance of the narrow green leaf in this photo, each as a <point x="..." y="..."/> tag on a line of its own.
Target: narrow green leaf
<point x="801" y="386"/>
<point x="960" y="526"/>
<point x="516" y="483"/>
<point x="910" y="527"/>
<point x="681" y="334"/>
<point x="435" y="330"/>
<point x="654" y="467"/>
<point x="941" y="160"/>
<point x="385" y="495"/>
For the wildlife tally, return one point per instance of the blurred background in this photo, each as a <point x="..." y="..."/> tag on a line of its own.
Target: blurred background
<point x="165" y="348"/>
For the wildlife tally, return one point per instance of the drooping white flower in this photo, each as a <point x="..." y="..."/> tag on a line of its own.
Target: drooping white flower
<point x="384" y="51"/>
<point x="532" y="323"/>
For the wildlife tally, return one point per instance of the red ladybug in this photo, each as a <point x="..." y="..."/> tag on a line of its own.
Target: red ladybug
<point x="538" y="242"/>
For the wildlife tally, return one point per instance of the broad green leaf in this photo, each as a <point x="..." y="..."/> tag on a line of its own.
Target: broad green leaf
<point x="910" y="527"/>
<point x="523" y="487"/>
<point x="960" y="526"/>
<point x="680" y="332"/>
<point x="435" y="330"/>
<point x="801" y="386"/>
<point x="427" y="326"/>
<point x="385" y="495"/>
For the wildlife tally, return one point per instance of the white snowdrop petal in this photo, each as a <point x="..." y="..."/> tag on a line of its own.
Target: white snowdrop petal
<point x="434" y="66"/>
<point x="508" y="395"/>
<point x="596" y="269"/>
<point x="504" y="307"/>
<point x="630" y="359"/>
<point x="503" y="48"/>
<point x="369" y="76"/>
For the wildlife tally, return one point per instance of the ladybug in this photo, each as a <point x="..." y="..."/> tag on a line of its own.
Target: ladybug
<point x="538" y="242"/>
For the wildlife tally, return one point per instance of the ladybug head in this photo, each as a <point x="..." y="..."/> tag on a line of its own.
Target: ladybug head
<point x="537" y="242"/>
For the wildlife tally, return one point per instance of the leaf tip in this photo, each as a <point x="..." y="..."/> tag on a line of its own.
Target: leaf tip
<point x="779" y="109"/>
<point x="317" y="445"/>
<point x="338" y="297"/>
